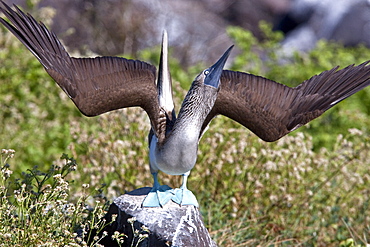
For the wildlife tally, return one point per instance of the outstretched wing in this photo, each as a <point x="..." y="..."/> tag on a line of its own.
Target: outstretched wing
<point x="95" y="85"/>
<point x="272" y="110"/>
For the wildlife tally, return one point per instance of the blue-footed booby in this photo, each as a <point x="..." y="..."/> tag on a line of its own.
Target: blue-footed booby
<point x="98" y="85"/>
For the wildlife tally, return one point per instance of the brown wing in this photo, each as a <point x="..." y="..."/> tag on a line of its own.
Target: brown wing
<point x="272" y="110"/>
<point x="95" y="85"/>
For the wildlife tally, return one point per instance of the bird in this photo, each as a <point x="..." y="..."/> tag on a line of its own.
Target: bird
<point x="98" y="85"/>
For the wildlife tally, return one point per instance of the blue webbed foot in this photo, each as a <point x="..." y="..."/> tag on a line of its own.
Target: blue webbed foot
<point x="158" y="196"/>
<point x="162" y="194"/>
<point x="183" y="196"/>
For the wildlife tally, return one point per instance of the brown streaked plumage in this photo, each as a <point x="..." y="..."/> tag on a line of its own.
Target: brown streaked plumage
<point x="102" y="84"/>
<point x="95" y="85"/>
<point x="271" y="110"/>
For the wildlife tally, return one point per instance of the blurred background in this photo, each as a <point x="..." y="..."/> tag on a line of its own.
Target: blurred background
<point x="197" y="27"/>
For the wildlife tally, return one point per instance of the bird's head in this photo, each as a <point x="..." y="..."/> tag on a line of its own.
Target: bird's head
<point x="211" y="76"/>
<point x="203" y="92"/>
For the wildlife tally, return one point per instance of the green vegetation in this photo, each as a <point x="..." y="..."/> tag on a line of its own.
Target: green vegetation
<point x="37" y="212"/>
<point x="310" y="188"/>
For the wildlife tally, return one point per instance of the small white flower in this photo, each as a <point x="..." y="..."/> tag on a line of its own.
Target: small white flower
<point x="354" y="131"/>
<point x="142" y="236"/>
<point x="273" y="198"/>
<point x="145" y="229"/>
<point x="114" y="217"/>
<point x="131" y="220"/>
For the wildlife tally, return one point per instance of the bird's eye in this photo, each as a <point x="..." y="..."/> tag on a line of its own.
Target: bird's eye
<point x="206" y="72"/>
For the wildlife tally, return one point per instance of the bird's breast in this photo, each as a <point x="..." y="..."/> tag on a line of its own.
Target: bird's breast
<point x="177" y="155"/>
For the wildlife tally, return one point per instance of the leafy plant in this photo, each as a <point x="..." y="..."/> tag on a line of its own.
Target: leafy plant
<point x="38" y="213"/>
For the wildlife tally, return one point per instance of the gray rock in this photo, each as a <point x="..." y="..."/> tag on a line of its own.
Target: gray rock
<point x="344" y="21"/>
<point x="172" y="225"/>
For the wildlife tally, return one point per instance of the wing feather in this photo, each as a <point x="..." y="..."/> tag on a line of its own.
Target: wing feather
<point x="95" y="85"/>
<point x="272" y="110"/>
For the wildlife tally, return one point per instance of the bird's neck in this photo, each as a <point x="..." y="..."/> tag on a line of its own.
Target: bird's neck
<point x="194" y="110"/>
<point x="178" y="152"/>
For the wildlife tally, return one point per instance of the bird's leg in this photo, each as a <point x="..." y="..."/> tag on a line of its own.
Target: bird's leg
<point x="156" y="184"/>
<point x="183" y="196"/>
<point x="184" y="180"/>
<point x="159" y="195"/>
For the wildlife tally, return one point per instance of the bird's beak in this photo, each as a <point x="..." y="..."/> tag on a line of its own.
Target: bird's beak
<point x="215" y="71"/>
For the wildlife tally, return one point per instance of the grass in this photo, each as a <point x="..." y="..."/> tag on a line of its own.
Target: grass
<point x="310" y="188"/>
<point x="300" y="198"/>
